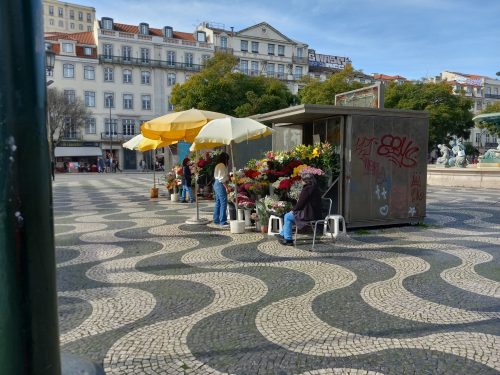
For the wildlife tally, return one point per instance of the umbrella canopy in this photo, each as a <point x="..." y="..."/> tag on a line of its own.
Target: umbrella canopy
<point x="229" y="130"/>
<point x="226" y="130"/>
<point x="141" y="143"/>
<point x="178" y="126"/>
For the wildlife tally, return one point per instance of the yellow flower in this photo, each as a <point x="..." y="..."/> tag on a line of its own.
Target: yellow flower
<point x="315" y="152"/>
<point x="297" y="170"/>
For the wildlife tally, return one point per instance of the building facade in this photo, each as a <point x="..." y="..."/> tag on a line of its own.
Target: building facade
<point x="125" y="75"/>
<point x="483" y="91"/>
<point x="261" y="50"/>
<point x="65" y="17"/>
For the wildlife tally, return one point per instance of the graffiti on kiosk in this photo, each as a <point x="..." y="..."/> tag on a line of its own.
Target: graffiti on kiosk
<point x="412" y="211"/>
<point x="398" y="150"/>
<point x="417" y="192"/>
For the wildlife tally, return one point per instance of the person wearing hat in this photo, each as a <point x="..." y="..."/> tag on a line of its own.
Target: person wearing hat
<point x="308" y="208"/>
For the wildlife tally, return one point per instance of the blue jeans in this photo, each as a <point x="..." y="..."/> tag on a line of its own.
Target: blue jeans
<point x="187" y="188"/>
<point x="288" y="222"/>
<point x="220" y="209"/>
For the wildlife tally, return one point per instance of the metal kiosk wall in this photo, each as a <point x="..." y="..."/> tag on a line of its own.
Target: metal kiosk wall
<point x="383" y="152"/>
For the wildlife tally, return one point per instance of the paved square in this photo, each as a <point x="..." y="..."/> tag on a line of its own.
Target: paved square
<point x="143" y="293"/>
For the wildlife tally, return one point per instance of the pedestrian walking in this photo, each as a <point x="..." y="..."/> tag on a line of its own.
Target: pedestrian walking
<point x="117" y="165"/>
<point x="100" y="165"/>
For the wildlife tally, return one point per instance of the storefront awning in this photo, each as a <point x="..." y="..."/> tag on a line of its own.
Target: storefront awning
<point x="77" y="151"/>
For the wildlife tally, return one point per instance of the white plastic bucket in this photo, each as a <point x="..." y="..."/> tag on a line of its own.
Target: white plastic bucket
<point x="237" y="226"/>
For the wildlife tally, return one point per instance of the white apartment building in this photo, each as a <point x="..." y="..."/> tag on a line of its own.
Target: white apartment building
<point x="482" y="91"/>
<point x="124" y="74"/>
<point x="261" y="50"/>
<point x="65" y="17"/>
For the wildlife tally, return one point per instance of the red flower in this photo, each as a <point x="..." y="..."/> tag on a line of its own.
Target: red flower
<point x="202" y="163"/>
<point x="251" y="173"/>
<point x="285" y="184"/>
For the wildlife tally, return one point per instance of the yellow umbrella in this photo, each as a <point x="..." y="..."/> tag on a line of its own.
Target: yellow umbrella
<point x="141" y="143"/>
<point x="178" y="126"/>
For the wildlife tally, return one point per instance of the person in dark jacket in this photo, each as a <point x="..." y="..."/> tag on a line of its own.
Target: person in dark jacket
<point x="186" y="182"/>
<point x="308" y="208"/>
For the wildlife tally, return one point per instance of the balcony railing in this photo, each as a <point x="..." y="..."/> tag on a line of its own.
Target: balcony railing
<point x="492" y="96"/>
<point x="299" y="60"/>
<point x="149" y="63"/>
<point x="116" y="136"/>
<point x="70" y="136"/>
<point x="223" y="49"/>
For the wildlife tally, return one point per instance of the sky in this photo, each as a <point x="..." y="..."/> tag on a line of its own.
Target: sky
<point x="412" y="38"/>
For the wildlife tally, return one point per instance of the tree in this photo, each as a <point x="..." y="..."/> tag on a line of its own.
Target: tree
<point x="316" y="92"/>
<point x="449" y="115"/>
<point x="64" y="114"/>
<point x="218" y="88"/>
<point x="492" y="126"/>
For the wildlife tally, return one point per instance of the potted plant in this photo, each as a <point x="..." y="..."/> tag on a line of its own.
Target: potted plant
<point x="262" y="215"/>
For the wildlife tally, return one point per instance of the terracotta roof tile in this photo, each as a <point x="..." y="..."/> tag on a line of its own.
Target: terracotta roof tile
<point x="152" y="31"/>
<point x="86" y="37"/>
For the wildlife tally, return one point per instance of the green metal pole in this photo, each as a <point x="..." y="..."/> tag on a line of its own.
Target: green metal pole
<point x="28" y="303"/>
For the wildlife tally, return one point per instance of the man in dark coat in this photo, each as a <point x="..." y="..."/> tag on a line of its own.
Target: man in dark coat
<point x="308" y="208"/>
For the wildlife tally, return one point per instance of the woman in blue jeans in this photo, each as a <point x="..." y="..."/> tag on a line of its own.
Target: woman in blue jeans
<point x="221" y="177"/>
<point x="186" y="182"/>
<point x="308" y="208"/>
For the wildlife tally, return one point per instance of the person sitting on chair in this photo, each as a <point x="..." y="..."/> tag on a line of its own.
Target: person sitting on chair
<point x="308" y="208"/>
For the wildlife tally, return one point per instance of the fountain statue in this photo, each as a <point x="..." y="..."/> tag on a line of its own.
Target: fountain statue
<point x="458" y="159"/>
<point x="445" y="155"/>
<point x="491" y="156"/>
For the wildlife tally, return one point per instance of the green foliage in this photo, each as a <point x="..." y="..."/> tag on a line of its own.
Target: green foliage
<point x="316" y="92"/>
<point x="470" y="149"/>
<point x="217" y="88"/>
<point x="493" y="125"/>
<point x="449" y="115"/>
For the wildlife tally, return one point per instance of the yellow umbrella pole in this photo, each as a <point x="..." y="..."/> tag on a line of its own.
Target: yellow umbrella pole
<point x="197" y="219"/>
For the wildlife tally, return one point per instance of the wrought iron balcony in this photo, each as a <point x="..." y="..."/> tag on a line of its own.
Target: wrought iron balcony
<point x="223" y="49"/>
<point x="135" y="61"/>
<point x="299" y="60"/>
<point x="116" y="136"/>
<point x="492" y="96"/>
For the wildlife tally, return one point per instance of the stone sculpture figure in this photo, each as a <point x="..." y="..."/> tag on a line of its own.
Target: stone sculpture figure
<point x="491" y="156"/>
<point x="458" y="159"/>
<point x="445" y="155"/>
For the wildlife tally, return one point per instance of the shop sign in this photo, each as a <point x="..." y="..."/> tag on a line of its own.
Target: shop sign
<point x="328" y="61"/>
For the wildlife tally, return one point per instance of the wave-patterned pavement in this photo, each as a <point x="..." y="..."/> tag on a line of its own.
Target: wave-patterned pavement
<point x="141" y="292"/>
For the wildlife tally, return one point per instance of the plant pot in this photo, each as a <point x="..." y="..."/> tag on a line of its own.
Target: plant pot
<point x="263" y="228"/>
<point x="153" y="192"/>
<point x="237" y="226"/>
<point x="174" y="197"/>
<point x="257" y="226"/>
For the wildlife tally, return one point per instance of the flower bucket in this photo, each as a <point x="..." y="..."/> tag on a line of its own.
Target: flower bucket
<point x="237" y="226"/>
<point x="153" y="192"/>
<point x="248" y="214"/>
<point x="263" y="229"/>
<point x="241" y="214"/>
<point x="174" y="197"/>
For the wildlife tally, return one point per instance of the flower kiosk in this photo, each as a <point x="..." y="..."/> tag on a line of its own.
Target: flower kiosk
<point x="378" y="155"/>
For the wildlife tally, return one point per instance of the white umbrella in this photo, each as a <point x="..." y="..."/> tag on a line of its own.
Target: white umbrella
<point x="229" y="130"/>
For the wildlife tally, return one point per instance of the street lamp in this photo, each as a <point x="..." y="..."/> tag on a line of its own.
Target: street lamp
<point x="110" y="100"/>
<point x="50" y="59"/>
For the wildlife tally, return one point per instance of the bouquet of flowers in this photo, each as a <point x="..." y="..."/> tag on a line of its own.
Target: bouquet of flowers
<point x="295" y="190"/>
<point x="172" y="182"/>
<point x="276" y="207"/>
<point x="311" y="170"/>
